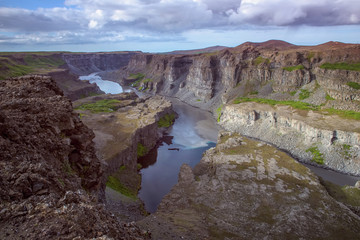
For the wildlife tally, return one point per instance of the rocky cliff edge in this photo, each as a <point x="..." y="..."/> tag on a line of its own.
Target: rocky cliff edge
<point x="49" y="173"/>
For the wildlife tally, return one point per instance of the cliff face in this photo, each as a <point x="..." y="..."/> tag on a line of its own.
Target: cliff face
<point x="50" y="177"/>
<point x="86" y="63"/>
<point x="122" y="135"/>
<point x="72" y="86"/>
<point x="244" y="189"/>
<point x="297" y="131"/>
<point x="213" y="78"/>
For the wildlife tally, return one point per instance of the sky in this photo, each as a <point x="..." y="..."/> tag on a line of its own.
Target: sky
<point x="167" y="25"/>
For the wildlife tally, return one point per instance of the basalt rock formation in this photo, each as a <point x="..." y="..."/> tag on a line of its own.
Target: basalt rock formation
<point x="336" y="140"/>
<point x="86" y="63"/>
<point x="122" y="134"/>
<point x="271" y="69"/>
<point x="244" y="189"/>
<point x="50" y="177"/>
<point x="72" y="86"/>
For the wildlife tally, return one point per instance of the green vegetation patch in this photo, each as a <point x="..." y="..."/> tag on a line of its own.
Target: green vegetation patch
<point x="354" y="85"/>
<point x="346" y="151"/>
<point x="137" y="77"/>
<point x="304" y="94"/>
<point x="329" y="98"/>
<point x="294" y="104"/>
<point x="30" y="64"/>
<point x="292" y="93"/>
<point x="347" y="114"/>
<point x="141" y="150"/>
<point x="310" y="56"/>
<point x="259" y="60"/>
<point x="293" y="68"/>
<point x="218" y="112"/>
<point x="347" y="195"/>
<point x="317" y="155"/>
<point x="105" y="105"/>
<point x="43" y="62"/>
<point x="167" y="120"/>
<point x="116" y="185"/>
<point x="341" y="66"/>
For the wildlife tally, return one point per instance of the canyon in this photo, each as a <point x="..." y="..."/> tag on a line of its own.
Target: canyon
<point x="301" y="101"/>
<point x="275" y="70"/>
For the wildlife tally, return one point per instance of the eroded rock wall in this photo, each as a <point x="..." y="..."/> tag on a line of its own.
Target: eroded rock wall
<point x="209" y="79"/>
<point x="296" y="131"/>
<point x="86" y="63"/>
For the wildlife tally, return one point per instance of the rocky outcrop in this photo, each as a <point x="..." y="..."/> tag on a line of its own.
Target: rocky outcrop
<point x="297" y="131"/>
<point x="118" y="133"/>
<point x="122" y="135"/>
<point x="72" y="87"/>
<point x="244" y="189"/>
<point x="86" y="63"/>
<point x="50" y="177"/>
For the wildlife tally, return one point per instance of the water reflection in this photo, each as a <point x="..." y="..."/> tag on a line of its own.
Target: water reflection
<point x="162" y="165"/>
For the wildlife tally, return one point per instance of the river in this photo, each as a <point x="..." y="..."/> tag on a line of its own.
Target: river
<point x="105" y="85"/>
<point x="193" y="132"/>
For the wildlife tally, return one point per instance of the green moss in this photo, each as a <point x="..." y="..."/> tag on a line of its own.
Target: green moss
<point x="147" y="80"/>
<point x="293" y="68"/>
<point x="141" y="150"/>
<point x="346" y="151"/>
<point x="116" y="185"/>
<point x="341" y="66"/>
<point x="310" y="56"/>
<point x="138" y="166"/>
<point x="254" y="93"/>
<point x="61" y="182"/>
<point x="317" y="155"/>
<point x="198" y="100"/>
<point x="166" y="121"/>
<point x="105" y="105"/>
<point x="304" y="94"/>
<point x="329" y="98"/>
<point x="218" y="112"/>
<point x="354" y="85"/>
<point x="259" y="60"/>
<point x="67" y="168"/>
<point x="292" y="93"/>
<point x="138" y="77"/>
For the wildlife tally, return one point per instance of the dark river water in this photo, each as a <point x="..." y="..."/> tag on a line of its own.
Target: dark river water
<point x="194" y="132"/>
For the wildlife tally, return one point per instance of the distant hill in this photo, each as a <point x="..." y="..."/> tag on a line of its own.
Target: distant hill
<point x="198" y="51"/>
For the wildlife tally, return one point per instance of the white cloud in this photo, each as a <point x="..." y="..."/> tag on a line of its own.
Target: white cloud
<point x="167" y="19"/>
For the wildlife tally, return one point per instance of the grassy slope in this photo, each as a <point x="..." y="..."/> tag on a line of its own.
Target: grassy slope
<point x="19" y="64"/>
